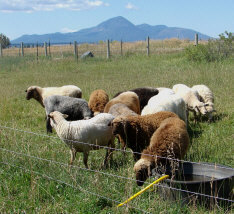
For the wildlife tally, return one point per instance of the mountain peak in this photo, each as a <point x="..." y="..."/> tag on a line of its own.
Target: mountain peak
<point x="116" y="21"/>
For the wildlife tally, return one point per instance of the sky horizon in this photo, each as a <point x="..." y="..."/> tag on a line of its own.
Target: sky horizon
<point x="20" y="17"/>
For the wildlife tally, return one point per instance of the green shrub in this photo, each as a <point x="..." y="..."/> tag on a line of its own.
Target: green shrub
<point x="214" y="50"/>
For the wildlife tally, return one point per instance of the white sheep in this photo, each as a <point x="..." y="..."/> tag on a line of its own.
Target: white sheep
<point x="166" y="100"/>
<point x="83" y="135"/>
<point x="206" y="96"/>
<point x="39" y="93"/>
<point x="191" y="98"/>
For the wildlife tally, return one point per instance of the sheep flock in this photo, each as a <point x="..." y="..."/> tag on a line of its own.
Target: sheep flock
<point x="152" y="122"/>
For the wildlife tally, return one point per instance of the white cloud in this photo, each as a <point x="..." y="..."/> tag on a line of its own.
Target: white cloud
<point x="67" y="30"/>
<point x="48" y="5"/>
<point x="130" y="6"/>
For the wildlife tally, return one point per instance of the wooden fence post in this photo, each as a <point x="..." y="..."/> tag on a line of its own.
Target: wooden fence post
<point x="75" y="51"/>
<point x="49" y="48"/>
<point x="37" y="51"/>
<point x="0" y="50"/>
<point x="22" y="48"/>
<point x="45" y="45"/>
<point x="148" y="46"/>
<point x="121" y="48"/>
<point x="108" y="49"/>
<point x="196" y="39"/>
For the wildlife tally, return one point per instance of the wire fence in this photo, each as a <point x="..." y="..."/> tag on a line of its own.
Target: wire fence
<point x="30" y="152"/>
<point x="101" y="49"/>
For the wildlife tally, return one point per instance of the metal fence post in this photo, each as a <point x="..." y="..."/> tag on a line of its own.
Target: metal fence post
<point x="22" y="48"/>
<point x="148" y="46"/>
<point x="196" y="39"/>
<point x="108" y="49"/>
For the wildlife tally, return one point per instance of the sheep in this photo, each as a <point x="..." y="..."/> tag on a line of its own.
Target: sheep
<point x="129" y="98"/>
<point x="84" y="135"/>
<point x="144" y="94"/>
<point x="136" y="131"/>
<point x="191" y="98"/>
<point x="206" y="96"/>
<point x="170" y="140"/>
<point x="166" y="100"/>
<point x="40" y="94"/>
<point x="120" y="109"/>
<point x="75" y="108"/>
<point x="97" y="101"/>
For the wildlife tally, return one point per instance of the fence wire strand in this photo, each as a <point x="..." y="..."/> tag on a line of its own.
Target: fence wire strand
<point x="70" y="185"/>
<point x="122" y="177"/>
<point x="113" y="149"/>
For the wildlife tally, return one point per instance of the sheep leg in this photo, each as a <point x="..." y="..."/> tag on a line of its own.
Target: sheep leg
<point x="85" y="159"/>
<point x="109" y="153"/>
<point x="73" y="156"/>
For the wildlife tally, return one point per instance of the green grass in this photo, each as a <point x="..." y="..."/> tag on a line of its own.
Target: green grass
<point x="25" y="190"/>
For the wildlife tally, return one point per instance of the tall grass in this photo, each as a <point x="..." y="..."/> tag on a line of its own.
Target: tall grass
<point x="25" y="190"/>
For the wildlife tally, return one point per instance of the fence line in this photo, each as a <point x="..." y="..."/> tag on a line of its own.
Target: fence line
<point x="113" y="175"/>
<point x="113" y="149"/>
<point x="109" y="48"/>
<point x="79" y="187"/>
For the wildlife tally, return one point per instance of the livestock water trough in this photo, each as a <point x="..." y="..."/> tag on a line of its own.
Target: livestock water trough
<point x="210" y="181"/>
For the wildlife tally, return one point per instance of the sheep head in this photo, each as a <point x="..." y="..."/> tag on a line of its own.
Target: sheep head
<point x="31" y="92"/>
<point x="55" y="117"/>
<point x="142" y="168"/>
<point x="200" y="107"/>
<point x="118" y="125"/>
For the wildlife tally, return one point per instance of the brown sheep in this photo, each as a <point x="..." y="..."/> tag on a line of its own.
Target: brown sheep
<point x="120" y="109"/>
<point x="136" y="131"/>
<point x="171" y="140"/>
<point x="97" y="101"/>
<point x="130" y="99"/>
<point x="144" y="94"/>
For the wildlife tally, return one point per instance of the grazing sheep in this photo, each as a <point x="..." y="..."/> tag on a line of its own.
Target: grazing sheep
<point x="83" y="135"/>
<point x="120" y="109"/>
<point x="191" y="98"/>
<point x="40" y="94"/>
<point x="97" y="101"/>
<point x="136" y="131"/>
<point x="75" y="108"/>
<point x="129" y="98"/>
<point x="206" y="96"/>
<point x="170" y="140"/>
<point x="144" y="94"/>
<point x="166" y="100"/>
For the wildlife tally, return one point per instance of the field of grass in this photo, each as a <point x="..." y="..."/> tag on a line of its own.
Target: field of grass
<point x="36" y="185"/>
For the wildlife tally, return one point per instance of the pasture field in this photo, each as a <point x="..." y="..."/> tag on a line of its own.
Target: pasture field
<point x="34" y="176"/>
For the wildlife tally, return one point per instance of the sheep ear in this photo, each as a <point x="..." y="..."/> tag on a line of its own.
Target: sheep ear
<point x="50" y="115"/>
<point x="65" y="116"/>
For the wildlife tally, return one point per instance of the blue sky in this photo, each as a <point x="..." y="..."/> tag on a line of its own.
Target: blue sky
<point x="19" y="17"/>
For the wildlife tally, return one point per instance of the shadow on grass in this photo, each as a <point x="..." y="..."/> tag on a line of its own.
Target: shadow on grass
<point x="216" y="117"/>
<point x="194" y="130"/>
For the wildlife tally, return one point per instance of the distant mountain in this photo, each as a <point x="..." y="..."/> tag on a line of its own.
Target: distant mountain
<point x="117" y="28"/>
